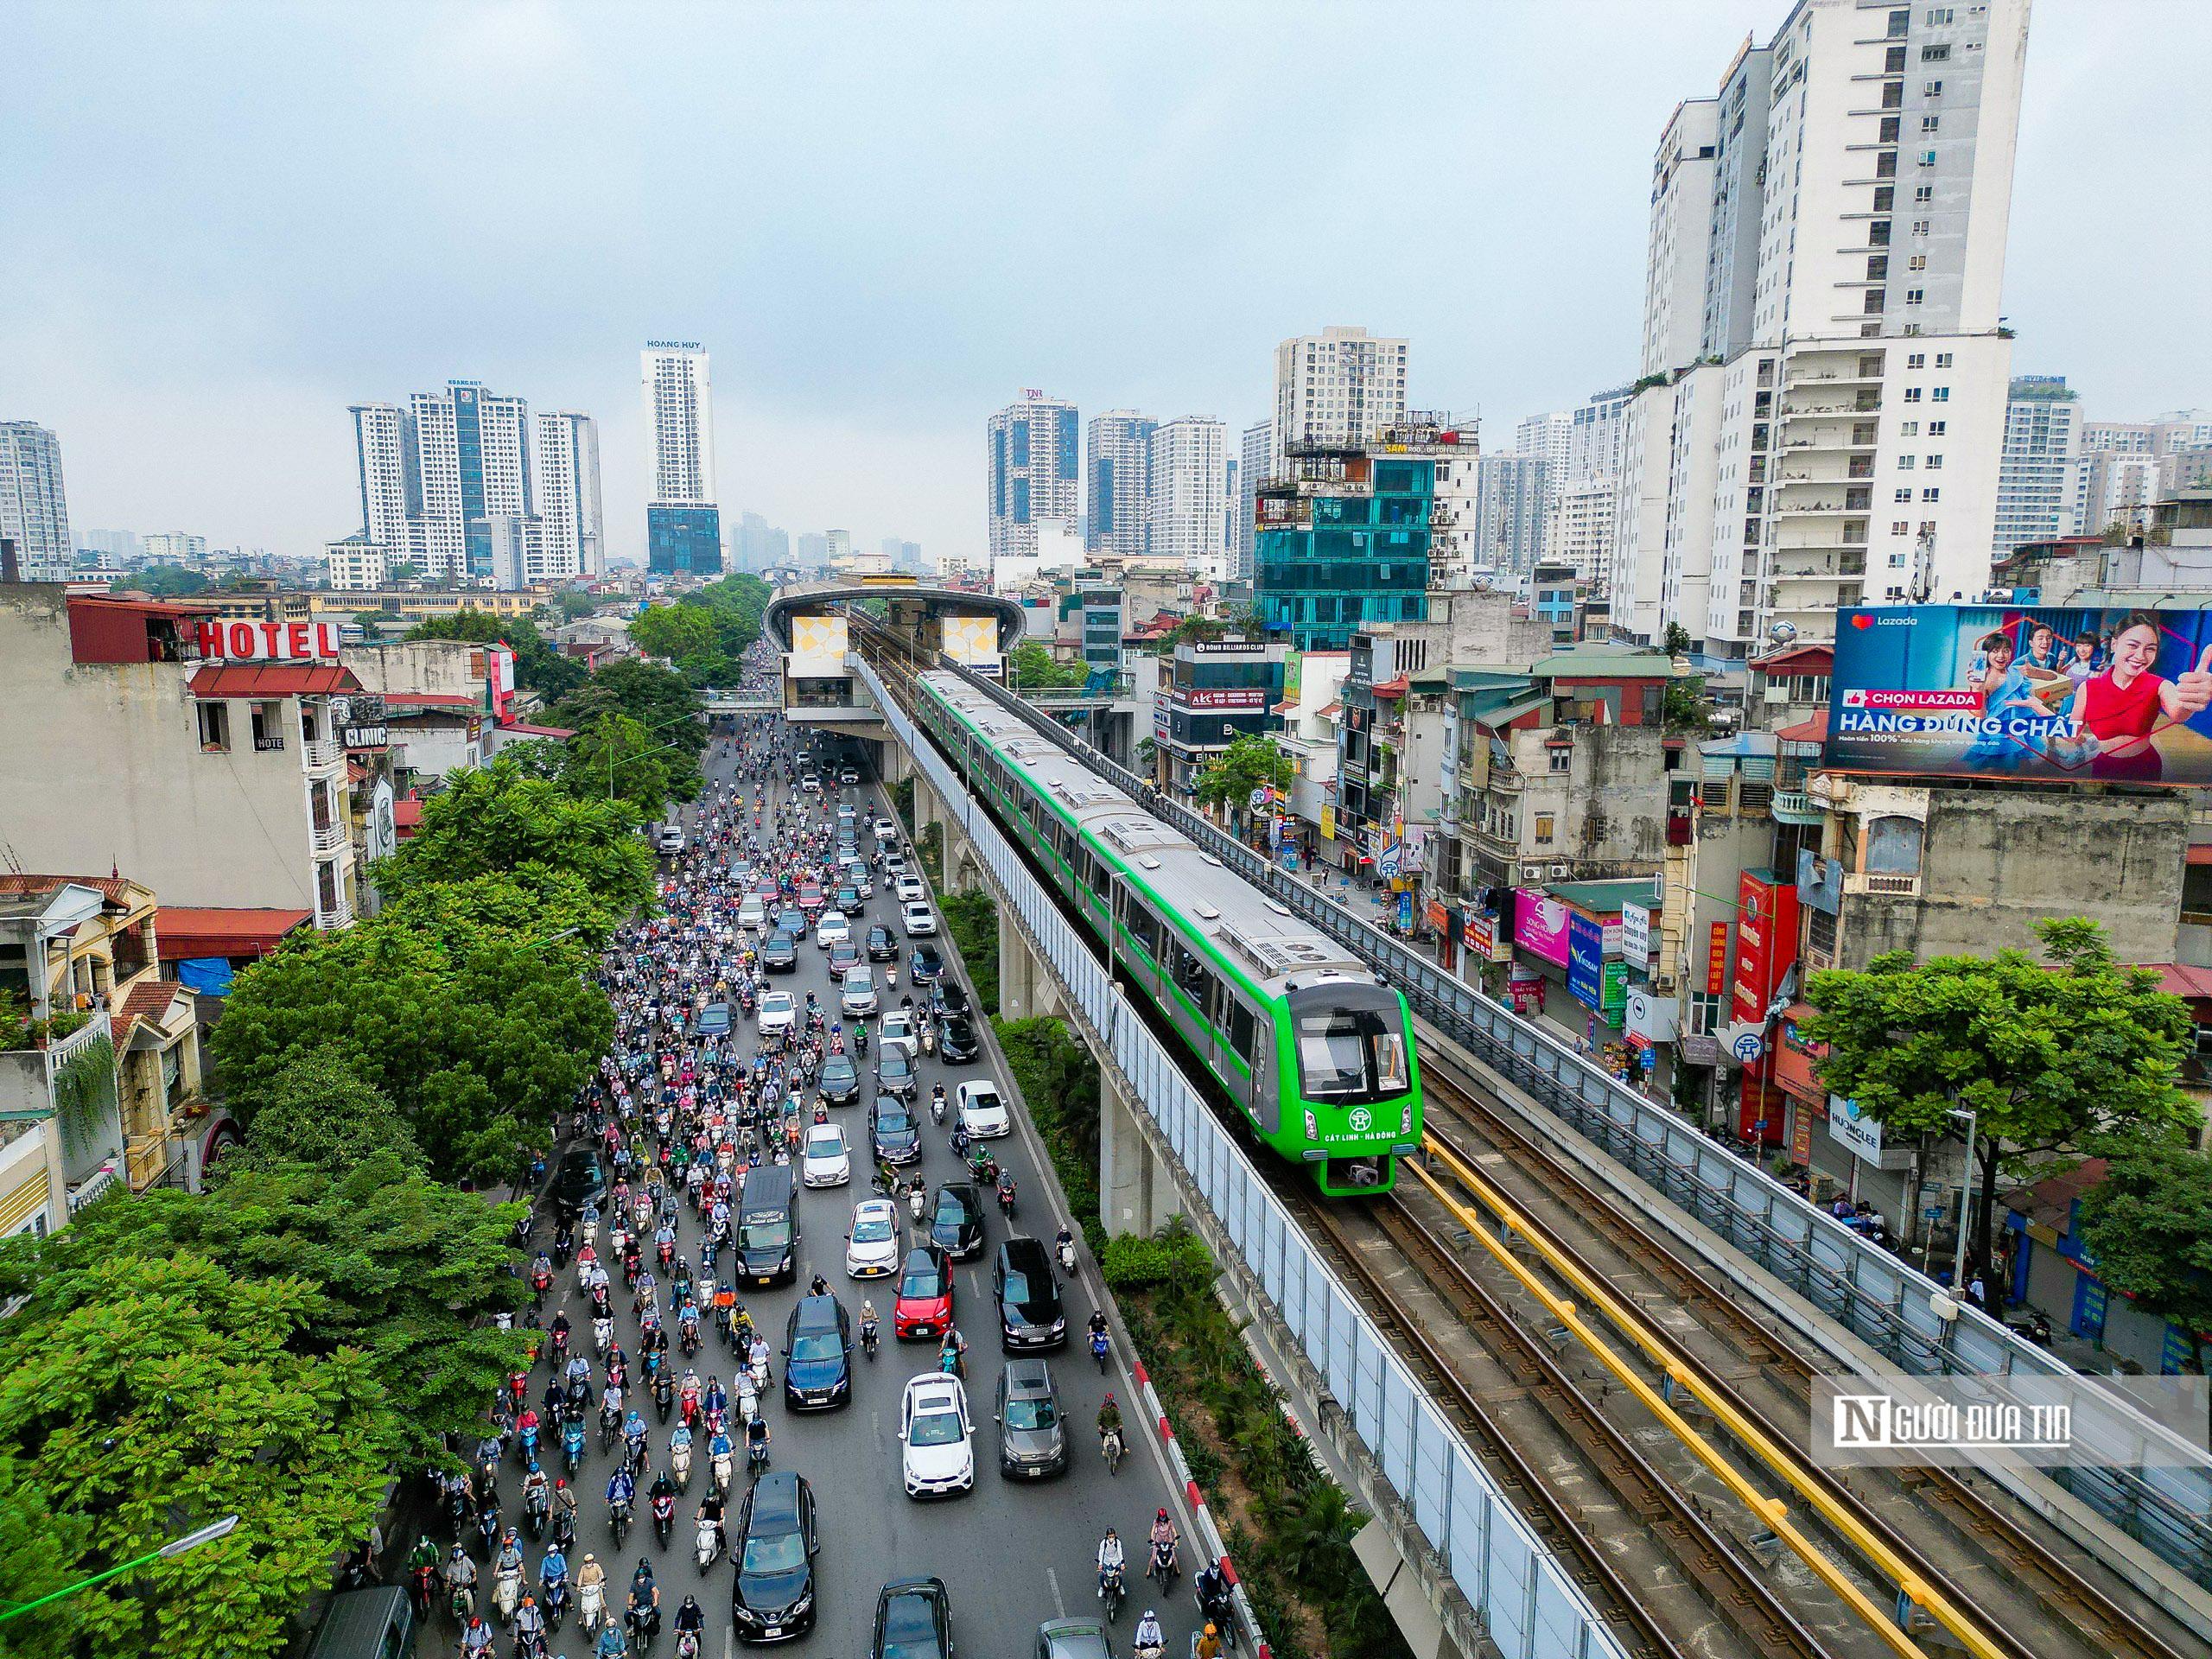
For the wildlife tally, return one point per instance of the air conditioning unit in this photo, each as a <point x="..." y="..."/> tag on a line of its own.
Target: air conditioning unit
<point x="1560" y="871"/>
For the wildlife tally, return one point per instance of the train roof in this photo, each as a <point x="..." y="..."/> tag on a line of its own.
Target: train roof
<point x="1269" y="942"/>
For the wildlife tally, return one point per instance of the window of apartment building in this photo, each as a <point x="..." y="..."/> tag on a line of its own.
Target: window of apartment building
<point x="1941" y="394"/>
<point x="1923" y="195"/>
<point x="214" y="728"/>
<point x="1912" y="394"/>
<point x="1909" y="428"/>
<point x="1931" y="123"/>
<point x="1936" y="428"/>
<point x="1942" y="361"/>
<point x="1931" y="495"/>
<point x="1901" y="527"/>
<point x="268" y="725"/>
<point x="1918" y="262"/>
<point x="1544" y="826"/>
<point x="1938" y="16"/>
<point x="1915" y="296"/>
<point x="1935" y="463"/>
<point x="1904" y="463"/>
<point x="1915" y="360"/>
<point x="1705" y="1013"/>
<point x="1928" y="526"/>
<point x="1927" y="158"/>
<point x="1932" y="89"/>
<point x="1561" y="759"/>
<point x="1935" y="55"/>
<point x="1903" y="495"/>
<point x="1920" y="227"/>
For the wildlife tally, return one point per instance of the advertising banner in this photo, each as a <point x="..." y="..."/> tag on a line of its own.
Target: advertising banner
<point x="1635" y="934"/>
<point x="1203" y="696"/>
<point x="1480" y="932"/>
<point x="1328" y="823"/>
<point x="1766" y="943"/>
<point x="969" y="640"/>
<point x="267" y="642"/>
<point x="1981" y="691"/>
<point x="1859" y="1135"/>
<point x="1586" y="961"/>
<point x="1540" y="924"/>
<point x="1716" y="960"/>
<point x="818" y="647"/>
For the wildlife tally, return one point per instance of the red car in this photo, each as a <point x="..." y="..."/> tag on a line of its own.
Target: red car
<point x="925" y="1304"/>
<point x="810" y="900"/>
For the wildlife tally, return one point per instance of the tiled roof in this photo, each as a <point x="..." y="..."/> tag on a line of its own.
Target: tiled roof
<point x="148" y="999"/>
<point x="183" y="931"/>
<point x="114" y="888"/>
<point x="272" y="680"/>
<point x="1814" y="730"/>
<point x="430" y="700"/>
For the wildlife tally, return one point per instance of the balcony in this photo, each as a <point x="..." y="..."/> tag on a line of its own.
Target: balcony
<point x="341" y="915"/>
<point x="324" y="756"/>
<point x="1882" y="885"/>
<point x="1795" y="806"/>
<point x="327" y="838"/>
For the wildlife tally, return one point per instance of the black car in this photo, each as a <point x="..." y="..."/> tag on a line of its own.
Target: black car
<point x="780" y="953"/>
<point x="926" y="966"/>
<point x="913" y="1620"/>
<point x="892" y="1136"/>
<point x="714" y="1020"/>
<point x="948" y="997"/>
<point x="882" y="944"/>
<point x="1032" y="1441"/>
<point x="840" y="1084"/>
<point x="773" y="1548"/>
<point x="957" y="1040"/>
<point x="849" y="901"/>
<point x="818" y="1356"/>
<point x="1029" y="1294"/>
<point x="956" y="1223"/>
<point x="894" y="1072"/>
<point x="578" y="1183"/>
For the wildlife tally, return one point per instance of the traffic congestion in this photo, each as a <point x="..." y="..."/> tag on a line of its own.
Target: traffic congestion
<point x="821" y="1358"/>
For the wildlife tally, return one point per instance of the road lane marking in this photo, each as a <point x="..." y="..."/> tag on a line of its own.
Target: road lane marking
<point x="1059" y="1605"/>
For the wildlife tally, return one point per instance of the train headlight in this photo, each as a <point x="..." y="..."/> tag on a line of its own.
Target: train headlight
<point x="1406" y="1120"/>
<point x="1312" y="1129"/>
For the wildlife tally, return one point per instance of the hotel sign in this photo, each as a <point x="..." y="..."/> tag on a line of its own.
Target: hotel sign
<point x="268" y="642"/>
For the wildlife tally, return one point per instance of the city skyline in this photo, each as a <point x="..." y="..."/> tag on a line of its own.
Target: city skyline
<point x="170" y="383"/>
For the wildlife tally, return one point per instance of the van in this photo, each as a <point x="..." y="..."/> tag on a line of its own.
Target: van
<point x="377" y="1624"/>
<point x="767" y="1226"/>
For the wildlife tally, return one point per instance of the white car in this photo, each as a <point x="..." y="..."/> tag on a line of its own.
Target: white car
<point x="911" y="890"/>
<point x="894" y="865"/>
<point x="872" y="1248"/>
<point x="777" y="1012"/>
<point x="752" y="915"/>
<point x="810" y="783"/>
<point x="933" y="1422"/>
<point x="899" y="1032"/>
<point x="886" y="831"/>
<point x="671" y="841"/>
<point x="825" y="1162"/>
<point x="917" y="918"/>
<point x="859" y="997"/>
<point x="982" y="1109"/>
<point x="833" y="929"/>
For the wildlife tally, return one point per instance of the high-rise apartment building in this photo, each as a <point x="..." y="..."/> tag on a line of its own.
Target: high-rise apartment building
<point x="760" y="545"/>
<point x="1034" y="462"/>
<point x="2039" y="475"/>
<point x="34" y="506"/>
<point x="1549" y="438"/>
<point x="1337" y="388"/>
<point x="573" y="533"/>
<point x="1117" y="447"/>
<point x="473" y="446"/>
<point x="1255" y="454"/>
<point x="1510" y="492"/>
<point x="175" y="547"/>
<point x="1835" y="220"/>
<point x="1186" y="507"/>
<point x="391" y="478"/>
<point x="683" y="521"/>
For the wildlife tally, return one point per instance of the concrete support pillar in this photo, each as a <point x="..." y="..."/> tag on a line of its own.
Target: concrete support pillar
<point x="1136" y="1193"/>
<point x="1017" y="970"/>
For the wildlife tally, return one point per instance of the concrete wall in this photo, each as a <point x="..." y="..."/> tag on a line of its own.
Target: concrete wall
<point x="1609" y="809"/>
<point x="434" y="667"/>
<point x="103" y="769"/>
<point x="1995" y="862"/>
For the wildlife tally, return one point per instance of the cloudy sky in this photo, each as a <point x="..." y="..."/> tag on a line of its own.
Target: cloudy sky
<point x="221" y="224"/>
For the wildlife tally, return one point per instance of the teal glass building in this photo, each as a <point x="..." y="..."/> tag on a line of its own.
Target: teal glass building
<point x="1341" y="543"/>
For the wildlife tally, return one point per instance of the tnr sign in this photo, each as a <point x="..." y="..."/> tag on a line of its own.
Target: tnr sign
<point x="269" y="642"/>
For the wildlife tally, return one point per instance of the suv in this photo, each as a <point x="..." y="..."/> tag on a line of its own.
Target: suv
<point x="1032" y="1441"/>
<point x="1029" y="1294"/>
<point x="579" y="1182"/>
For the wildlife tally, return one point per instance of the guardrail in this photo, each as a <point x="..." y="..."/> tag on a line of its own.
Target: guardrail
<point x="1866" y="1288"/>
<point x="1529" y="1602"/>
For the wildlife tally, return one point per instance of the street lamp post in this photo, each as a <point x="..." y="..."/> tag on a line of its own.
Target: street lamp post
<point x="1965" y="1195"/>
<point x="176" y="1546"/>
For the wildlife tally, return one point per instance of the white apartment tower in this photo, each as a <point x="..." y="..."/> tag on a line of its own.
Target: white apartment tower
<point x="1118" y="446"/>
<point x="1341" y="386"/>
<point x="572" y="529"/>
<point x="1255" y="454"/>
<point x="680" y="412"/>
<point x="1547" y="438"/>
<point x="1835" y="220"/>
<point x="390" y="474"/>
<point x="1033" y="482"/>
<point x="473" y="446"/>
<point x="2039" y="477"/>
<point x="1187" y="507"/>
<point x="34" y="506"/>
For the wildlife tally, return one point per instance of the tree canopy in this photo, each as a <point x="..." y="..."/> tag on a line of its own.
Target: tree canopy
<point x="170" y="581"/>
<point x="2057" y="1059"/>
<point x="1036" y="669"/>
<point x="1247" y="764"/>
<point x="497" y="820"/>
<point x="675" y="631"/>
<point x="658" y="699"/>
<point x="142" y="1396"/>
<point x="318" y="1114"/>
<point x="2148" y="1230"/>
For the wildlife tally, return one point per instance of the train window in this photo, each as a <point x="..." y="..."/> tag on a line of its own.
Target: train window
<point x="1190" y="975"/>
<point x="1144" y="930"/>
<point x="1240" y="1028"/>
<point x="1350" y="1054"/>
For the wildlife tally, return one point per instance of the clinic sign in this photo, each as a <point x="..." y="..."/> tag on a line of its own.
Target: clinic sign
<point x="1635" y="934"/>
<point x="2090" y="694"/>
<point x="267" y="642"/>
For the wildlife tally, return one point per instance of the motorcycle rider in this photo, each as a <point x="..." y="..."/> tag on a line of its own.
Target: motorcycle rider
<point x="645" y="1597"/>
<point x="530" y="1622"/>
<point x="756" y="1441"/>
<point x="552" y="1570"/>
<point x="710" y="1513"/>
<point x="869" y="1325"/>
<point x="662" y="1488"/>
<point x="621" y="1490"/>
<point x="461" y="1573"/>
<point x="476" y="1639"/>
<point x="1211" y="1585"/>
<point x="691" y="1617"/>
<point x="1109" y="1417"/>
<point x="1164" y="1540"/>
<point x="1148" y="1634"/>
<point x="1110" y="1558"/>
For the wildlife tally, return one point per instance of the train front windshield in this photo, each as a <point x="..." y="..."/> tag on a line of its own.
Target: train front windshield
<point x="1351" y="1044"/>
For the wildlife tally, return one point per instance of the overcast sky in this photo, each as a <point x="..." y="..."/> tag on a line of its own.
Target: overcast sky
<point x="220" y="225"/>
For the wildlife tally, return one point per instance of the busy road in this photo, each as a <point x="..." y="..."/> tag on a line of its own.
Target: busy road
<point x="1012" y="1553"/>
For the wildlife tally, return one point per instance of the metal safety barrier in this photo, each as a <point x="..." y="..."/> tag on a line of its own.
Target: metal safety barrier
<point x="1526" y="1598"/>
<point x="1866" y="1288"/>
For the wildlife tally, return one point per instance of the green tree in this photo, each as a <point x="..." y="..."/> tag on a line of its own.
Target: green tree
<point x="2148" y="1227"/>
<point x="1677" y="642"/>
<point x="573" y="605"/>
<point x="170" y="581"/>
<point x="538" y="667"/>
<point x="140" y="1395"/>
<point x="1191" y="630"/>
<point x="2054" y="1061"/>
<point x="1247" y="764"/>
<point x="615" y="753"/>
<point x="674" y="631"/>
<point x="1036" y="669"/>
<point x="658" y="699"/>
<point x="476" y="1036"/>
<point x="1683" y="705"/>
<point x="405" y="1269"/>
<point x="736" y="604"/>
<point x="553" y="913"/>
<point x="496" y="820"/>
<point x="403" y="570"/>
<point x="319" y="1114"/>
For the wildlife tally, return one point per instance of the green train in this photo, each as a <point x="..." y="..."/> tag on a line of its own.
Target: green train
<point x="1315" y="1051"/>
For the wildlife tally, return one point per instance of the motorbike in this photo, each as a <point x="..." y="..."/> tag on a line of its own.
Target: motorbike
<point x="1098" y="1350"/>
<point x="572" y="1446"/>
<point x="534" y="1509"/>
<point x="663" y="1519"/>
<point x="618" y="1521"/>
<point x="553" y="1598"/>
<point x="487" y="1532"/>
<point x="1067" y="1258"/>
<point x="564" y="1530"/>
<point x="1110" y="1592"/>
<point x="937" y="1109"/>
<point x="706" y="1545"/>
<point x="1111" y="1446"/>
<point x="721" y="1471"/>
<point x="1006" y="1199"/>
<point x="1162" y="1564"/>
<point x="664" y="1394"/>
<point x="1148" y="1650"/>
<point x="421" y="1588"/>
<point x="687" y="1645"/>
<point x="644" y="1625"/>
<point x="1218" y="1612"/>
<point x="507" y="1594"/>
<point x="868" y="1338"/>
<point x="756" y="1457"/>
<point x="591" y="1608"/>
<point x="456" y="1510"/>
<point x="679" y="1467"/>
<point x="461" y="1604"/>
